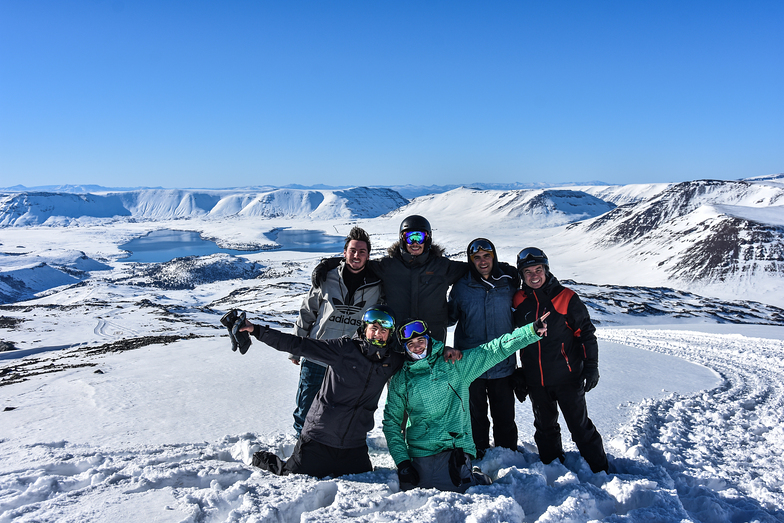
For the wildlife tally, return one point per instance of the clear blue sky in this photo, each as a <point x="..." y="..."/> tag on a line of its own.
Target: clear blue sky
<point x="219" y="94"/>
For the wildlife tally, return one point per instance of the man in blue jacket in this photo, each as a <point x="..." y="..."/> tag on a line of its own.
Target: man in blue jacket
<point x="481" y="304"/>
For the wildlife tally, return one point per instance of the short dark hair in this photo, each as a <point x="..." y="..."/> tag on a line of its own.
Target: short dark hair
<point x="358" y="234"/>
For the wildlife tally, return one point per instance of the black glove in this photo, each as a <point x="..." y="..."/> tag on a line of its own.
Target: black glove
<point x="233" y="320"/>
<point x="590" y="375"/>
<point x="519" y="385"/>
<point x="406" y="473"/>
<point x="227" y="321"/>
<point x="319" y="274"/>
<point x="540" y="323"/>
<point x="243" y="338"/>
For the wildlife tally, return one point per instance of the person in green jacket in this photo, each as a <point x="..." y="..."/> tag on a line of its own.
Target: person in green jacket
<point x="430" y="395"/>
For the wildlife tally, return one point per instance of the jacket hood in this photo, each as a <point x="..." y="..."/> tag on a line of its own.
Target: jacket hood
<point x="496" y="273"/>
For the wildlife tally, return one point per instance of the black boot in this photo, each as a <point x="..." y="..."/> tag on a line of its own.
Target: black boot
<point x="269" y="462"/>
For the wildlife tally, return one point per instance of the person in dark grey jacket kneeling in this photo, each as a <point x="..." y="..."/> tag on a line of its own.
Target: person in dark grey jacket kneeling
<point x="333" y="440"/>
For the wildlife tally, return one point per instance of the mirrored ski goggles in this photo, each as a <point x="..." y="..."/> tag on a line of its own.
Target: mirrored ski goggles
<point x="412" y="329"/>
<point x="414" y="237"/>
<point x="379" y="317"/>
<point x="480" y="244"/>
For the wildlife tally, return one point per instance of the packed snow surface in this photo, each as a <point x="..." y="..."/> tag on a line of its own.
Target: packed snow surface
<point x="165" y="432"/>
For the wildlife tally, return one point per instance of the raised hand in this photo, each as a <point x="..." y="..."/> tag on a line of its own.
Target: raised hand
<point x="540" y="325"/>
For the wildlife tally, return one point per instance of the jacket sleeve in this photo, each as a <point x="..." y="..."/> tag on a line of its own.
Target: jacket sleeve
<point x="308" y="312"/>
<point x="455" y="270"/>
<point x="584" y="330"/>
<point x="325" y="351"/>
<point x="476" y="361"/>
<point x="379" y="266"/>
<point x="509" y="270"/>
<point x="394" y="413"/>
<point x="453" y="308"/>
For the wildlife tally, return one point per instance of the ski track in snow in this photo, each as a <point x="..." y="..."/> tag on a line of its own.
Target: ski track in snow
<point x="722" y="446"/>
<point x="714" y="456"/>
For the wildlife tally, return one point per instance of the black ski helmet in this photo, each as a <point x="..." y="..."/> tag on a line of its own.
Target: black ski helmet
<point x="415" y="222"/>
<point x="531" y="256"/>
<point x="382" y="315"/>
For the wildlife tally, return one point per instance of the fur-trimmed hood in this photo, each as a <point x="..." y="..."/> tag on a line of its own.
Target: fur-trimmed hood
<point x="396" y="251"/>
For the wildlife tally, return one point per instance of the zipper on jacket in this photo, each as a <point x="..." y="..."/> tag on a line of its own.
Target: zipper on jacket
<point x="563" y="353"/>
<point x="539" y="343"/>
<point x="458" y="396"/>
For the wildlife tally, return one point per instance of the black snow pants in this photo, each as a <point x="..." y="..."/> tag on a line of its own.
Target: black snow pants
<point x="314" y="459"/>
<point x="570" y="398"/>
<point x="499" y="393"/>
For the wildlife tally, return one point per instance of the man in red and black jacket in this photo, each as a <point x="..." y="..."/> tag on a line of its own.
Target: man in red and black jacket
<point x="562" y="367"/>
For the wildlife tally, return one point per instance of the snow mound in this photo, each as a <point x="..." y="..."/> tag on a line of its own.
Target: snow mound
<point x="25" y="275"/>
<point x="57" y="209"/>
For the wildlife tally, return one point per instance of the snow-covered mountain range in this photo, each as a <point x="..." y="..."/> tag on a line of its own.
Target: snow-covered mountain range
<point x="19" y="209"/>
<point x="722" y="238"/>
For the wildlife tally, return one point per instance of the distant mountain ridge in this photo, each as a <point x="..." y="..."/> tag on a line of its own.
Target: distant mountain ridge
<point x="407" y="191"/>
<point x="62" y="209"/>
<point x="699" y="232"/>
<point x="544" y="207"/>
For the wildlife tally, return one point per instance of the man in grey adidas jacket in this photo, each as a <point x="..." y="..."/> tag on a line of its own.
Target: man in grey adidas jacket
<point x="333" y="310"/>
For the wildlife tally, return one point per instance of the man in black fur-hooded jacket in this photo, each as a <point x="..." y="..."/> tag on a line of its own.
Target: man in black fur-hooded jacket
<point x="415" y="274"/>
<point x="560" y="368"/>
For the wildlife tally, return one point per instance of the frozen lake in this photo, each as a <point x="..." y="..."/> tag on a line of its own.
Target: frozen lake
<point x="165" y="245"/>
<point x="305" y="240"/>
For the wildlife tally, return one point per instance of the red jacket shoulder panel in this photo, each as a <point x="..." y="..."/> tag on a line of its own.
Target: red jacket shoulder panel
<point x="561" y="301"/>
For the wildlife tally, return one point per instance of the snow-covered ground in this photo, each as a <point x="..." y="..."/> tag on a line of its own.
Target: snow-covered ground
<point x="147" y="415"/>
